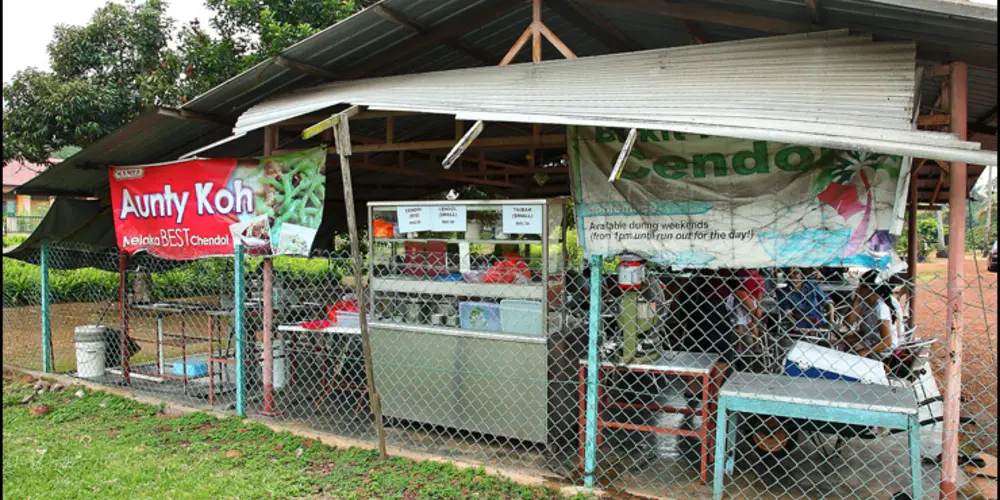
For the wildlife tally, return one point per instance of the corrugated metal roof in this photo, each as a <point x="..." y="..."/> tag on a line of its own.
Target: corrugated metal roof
<point x="156" y="135"/>
<point x="369" y="42"/>
<point x="843" y="91"/>
<point x="942" y="31"/>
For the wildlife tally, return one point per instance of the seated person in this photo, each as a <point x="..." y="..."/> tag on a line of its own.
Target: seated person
<point x="744" y="304"/>
<point x="805" y="302"/>
<point x="875" y="320"/>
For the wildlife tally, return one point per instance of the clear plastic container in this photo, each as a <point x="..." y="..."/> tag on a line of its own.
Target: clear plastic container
<point x="483" y="316"/>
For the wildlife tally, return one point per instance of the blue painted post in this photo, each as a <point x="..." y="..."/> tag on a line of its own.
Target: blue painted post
<point x="239" y="307"/>
<point x="46" y="326"/>
<point x="590" y="448"/>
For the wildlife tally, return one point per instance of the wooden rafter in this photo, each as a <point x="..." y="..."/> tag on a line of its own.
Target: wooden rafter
<point x="184" y="114"/>
<point x="933" y="120"/>
<point x="306" y="69"/>
<point x="452" y="42"/>
<point x="432" y="172"/>
<point x="536" y="31"/>
<point x="692" y="12"/>
<point x="815" y="14"/>
<point x="460" y="23"/>
<point x="594" y="25"/>
<point x="488" y="143"/>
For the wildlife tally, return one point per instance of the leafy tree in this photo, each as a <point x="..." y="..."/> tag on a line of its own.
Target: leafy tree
<point x="132" y="55"/>
<point x="926" y="235"/>
<point x="92" y="88"/>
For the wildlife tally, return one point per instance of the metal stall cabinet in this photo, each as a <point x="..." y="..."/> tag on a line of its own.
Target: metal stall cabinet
<point x="463" y="300"/>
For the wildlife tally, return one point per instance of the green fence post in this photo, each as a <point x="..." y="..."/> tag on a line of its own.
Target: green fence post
<point x="590" y="448"/>
<point x="46" y="326"/>
<point x="238" y="310"/>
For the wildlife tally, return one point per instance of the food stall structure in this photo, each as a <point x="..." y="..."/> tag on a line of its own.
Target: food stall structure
<point x="465" y="297"/>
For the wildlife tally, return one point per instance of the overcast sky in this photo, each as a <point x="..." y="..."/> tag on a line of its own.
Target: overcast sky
<point x="28" y="26"/>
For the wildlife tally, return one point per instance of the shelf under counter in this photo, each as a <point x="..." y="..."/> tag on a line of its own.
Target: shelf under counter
<point x="535" y="291"/>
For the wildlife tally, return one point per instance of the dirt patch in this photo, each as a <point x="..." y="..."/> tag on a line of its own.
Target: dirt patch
<point x="979" y="367"/>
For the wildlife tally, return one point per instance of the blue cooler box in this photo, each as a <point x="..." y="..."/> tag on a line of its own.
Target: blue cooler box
<point x="813" y="361"/>
<point x="193" y="369"/>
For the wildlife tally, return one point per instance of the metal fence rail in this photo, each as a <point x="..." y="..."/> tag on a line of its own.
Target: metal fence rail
<point x="498" y="372"/>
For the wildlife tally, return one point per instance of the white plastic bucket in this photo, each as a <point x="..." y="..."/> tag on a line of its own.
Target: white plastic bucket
<point x="90" y="351"/>
<point x="280" y="364"/>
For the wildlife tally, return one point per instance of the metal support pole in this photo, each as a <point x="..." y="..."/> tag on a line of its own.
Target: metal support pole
<point x="342" y="136"/>
<point x="239" y="309"/>
<point x="46" y="326"/>
<point x="593" y="365"/>
<point x="123" y="300"/>
<point x="912" y="251"/>
<point x="267" y="268"/>
<point x="956" y="260"/>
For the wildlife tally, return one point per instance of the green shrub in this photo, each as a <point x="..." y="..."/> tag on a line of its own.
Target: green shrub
<point x="22" y="281"/>
<point x="13" y="240"/>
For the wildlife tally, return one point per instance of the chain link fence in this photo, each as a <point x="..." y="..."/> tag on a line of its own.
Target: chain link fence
<point x="491" y="366"/>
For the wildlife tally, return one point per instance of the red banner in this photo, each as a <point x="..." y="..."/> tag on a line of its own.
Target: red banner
<point x="202" y="208"/>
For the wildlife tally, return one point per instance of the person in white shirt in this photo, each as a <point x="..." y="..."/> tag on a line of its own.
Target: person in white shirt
<point x="876" y="320"/>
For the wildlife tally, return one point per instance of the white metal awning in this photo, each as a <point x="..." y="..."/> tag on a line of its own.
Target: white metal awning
<point x="827" y="89"/>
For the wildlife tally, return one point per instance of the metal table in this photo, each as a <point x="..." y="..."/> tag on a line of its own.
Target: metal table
<point x="163" y="310"/>
<point x="695" y="366"/>
<point x="814" y="399"/>
<point x="330" y="381"/>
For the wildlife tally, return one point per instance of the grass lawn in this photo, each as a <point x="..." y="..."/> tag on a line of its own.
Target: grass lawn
<point x="100" y="445"/>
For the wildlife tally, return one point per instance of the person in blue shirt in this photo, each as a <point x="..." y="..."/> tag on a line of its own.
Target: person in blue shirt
<point x="805" y="302"/>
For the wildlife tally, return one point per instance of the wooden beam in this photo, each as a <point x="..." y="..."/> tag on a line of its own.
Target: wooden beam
<point x="454" y="43"/>
<point x="926" y="120"/>
<point x="306" y="69"/>
<point x="814" y="12"/>
<point x="184" y="114"/>
<point x="364" y="115"/>
<point x="937" y="189"/>
<point x="692" y="12"/>
<point x="433" y="172"/>
<point x="937" y="71"/>
<point x="495" y="143"/>
<point x="536" y="36"/>
<point x="512" y="53"/>
<point x="594" y="25"/>
<point x="556" y="42"/>
<point x="461" y="23"/>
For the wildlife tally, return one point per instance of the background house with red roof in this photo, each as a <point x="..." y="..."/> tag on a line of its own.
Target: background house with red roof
<point x="22" y="212"/>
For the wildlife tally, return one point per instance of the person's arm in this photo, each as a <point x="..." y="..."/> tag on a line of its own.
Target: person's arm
<point x="855" y="315"/>
<point x="753" y="312"/>
<point x="886" y="333"/>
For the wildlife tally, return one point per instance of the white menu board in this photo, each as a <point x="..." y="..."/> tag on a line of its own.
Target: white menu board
<point x="448" y="218"/>
<point x="522" y="219"/>
<point x="413" y="219"/>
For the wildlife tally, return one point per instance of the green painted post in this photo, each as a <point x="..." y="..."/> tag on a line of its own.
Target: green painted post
<point x="590" y="448"/>
<point x="46" y="326"/>
<point x="239" y="307"/>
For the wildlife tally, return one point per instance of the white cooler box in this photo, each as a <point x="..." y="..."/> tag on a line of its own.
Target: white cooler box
<point x="813" y="361"/>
